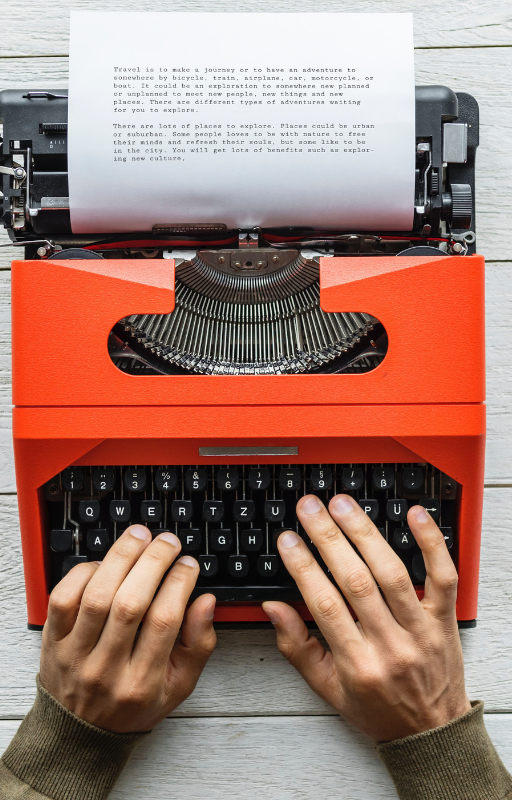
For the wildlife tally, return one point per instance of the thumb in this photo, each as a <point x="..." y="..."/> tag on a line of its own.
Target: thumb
<point x="196" y="644"/>
<point x="305" y="653"/>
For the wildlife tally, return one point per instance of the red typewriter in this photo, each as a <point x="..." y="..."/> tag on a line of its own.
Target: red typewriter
<point x="201" y="380"/>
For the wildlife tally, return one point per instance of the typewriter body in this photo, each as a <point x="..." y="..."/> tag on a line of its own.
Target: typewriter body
<point x="201" y="380"/>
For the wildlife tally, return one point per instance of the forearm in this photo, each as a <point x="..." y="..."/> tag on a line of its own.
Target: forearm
<point x="55" y="756"/>
<point x="456" y="762"/>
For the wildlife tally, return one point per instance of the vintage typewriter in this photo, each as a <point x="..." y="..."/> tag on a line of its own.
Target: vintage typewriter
<point x="201" y="380"/>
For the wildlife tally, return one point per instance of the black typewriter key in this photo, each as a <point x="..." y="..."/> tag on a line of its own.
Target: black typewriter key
<point x="151" y="510"/>
<point x="103" y="479"/>
<point x="276" y="534"/>
<point x="448" y="537"/>
<point x="370" y="507"/>
<point x="403" y="539"/>
<point x="268" y="566"/>
<point x="383" y="478"/>
<point x="413" y="478"/>
<point x="182" y="510"/>
<point x="432" y="505"/>
<point x="244" y="510"/>
<point x="190" y="539"/>
<point x="165" y="479"/>
<point x="227" y="479"/>
<point x="238" y="566"/>
<point x="61" y="540"/>
<point x="120" y="510"/>
<point x="274" y="510"/>
<point x="89" y="510"/>
<point x="289" y="479"/>
<point x="135" y="479"/>
<point x="259" y="479"/>
<point x="213" y="510"/>
<point x="71" y="561"/>
<point x="196" y="480"/>
<point x="396" y="510"/>
<point x="221" y="540"/>
<point x="419" y="572"/>
<point x="382" y="531"/>
<point x="251" y="540"/>
<point x="352" y="478"/>
<point x="72" y="479"/>
<point x="320" y="478"/>
<point x="98" y="540"/>
<point x="208" y="566"/>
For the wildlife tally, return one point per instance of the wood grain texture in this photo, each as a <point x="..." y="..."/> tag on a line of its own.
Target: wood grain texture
<point x="279" y="758"/>
<point x="437" y="24"/>
<point x="246" y="675"/>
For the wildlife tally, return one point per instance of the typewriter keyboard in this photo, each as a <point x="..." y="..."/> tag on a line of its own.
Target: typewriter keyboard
<point x="229" y="517"/>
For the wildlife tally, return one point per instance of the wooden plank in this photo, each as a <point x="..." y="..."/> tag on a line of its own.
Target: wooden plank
<point x="247" y="675"/>
<point x="279" y="758"/>
<point x="466" y="24"/>
<point x="499" y="378"/>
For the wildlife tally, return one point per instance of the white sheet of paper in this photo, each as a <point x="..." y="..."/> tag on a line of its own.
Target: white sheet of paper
<point x="243" y="119"/>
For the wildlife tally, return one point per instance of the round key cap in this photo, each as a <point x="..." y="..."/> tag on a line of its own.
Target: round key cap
<point x="151" y="510"/>
<point x="190" y="539"/>
<point x="396" y="510"/>
<point x="120" y="510"/>
<point x="274" y="510"/>
<point x="448" y="537"/>
<point x="135" y="479"/>
<point x="72" y="479"/>
<point x="251" y="540"/>
<point x="403" y="539"/>
<point x="289" y="479"/>
<point x="103" y="479"/>
<point x="213" y="510"/>
<point x="432" y="505"/>
<point x="165" y="479"/>
<point x="61" y="540"/>
<point x="259" y="479"/>
<point x="268" y="566"/>
<point x="89" y="511"/>
<point x="196" y="480"/>
<point x="208" y="566"/>
<point x="221" y="540"/>
<point x="383" y="478"/>
<point x="370" y="507"/>
<point x="97" y="540"/>
<point x="320" y="478"/>
<point x="182" y="510"/>
<point x="413" y="478"/>
<point x="238" y="566"/>
<point x="352" y="478"/>
<point x="227" y="479"/>
<point x="244" y="510"/>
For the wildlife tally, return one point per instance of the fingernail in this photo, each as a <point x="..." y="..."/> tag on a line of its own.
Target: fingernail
<point x="272" y="616"/>
<point x="343" y="505"/>
<point x="420" y="515"/>
<point x="311" y="506"/>
<point x="289" y="539"/>
<point x="210" y="611"/>
<point x="140" y="532"/>
<point x="171" y="538"/>
<point x="187" y="560"/>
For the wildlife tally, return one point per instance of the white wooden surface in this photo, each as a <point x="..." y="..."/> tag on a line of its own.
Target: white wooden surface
<point x="252" y="727"/>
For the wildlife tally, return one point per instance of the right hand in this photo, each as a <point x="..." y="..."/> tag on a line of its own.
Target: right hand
<point x="100" y="662"/>
<point x="398" y="670"/>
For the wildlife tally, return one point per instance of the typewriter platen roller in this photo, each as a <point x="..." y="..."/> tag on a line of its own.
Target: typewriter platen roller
<point x="196" y="349"/>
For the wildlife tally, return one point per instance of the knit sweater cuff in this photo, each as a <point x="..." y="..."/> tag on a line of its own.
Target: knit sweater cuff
<point x="453" y="761"/>
<point x="60" y="755"/>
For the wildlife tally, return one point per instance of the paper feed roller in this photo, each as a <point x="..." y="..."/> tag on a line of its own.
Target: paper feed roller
<point x="34" y="178"/>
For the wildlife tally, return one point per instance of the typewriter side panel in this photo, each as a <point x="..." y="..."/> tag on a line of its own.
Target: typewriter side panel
<point x="48" y="440"/>
<point x="424" y="295"/>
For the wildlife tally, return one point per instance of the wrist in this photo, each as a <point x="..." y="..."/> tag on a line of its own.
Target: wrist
<point x="60" y="755"/>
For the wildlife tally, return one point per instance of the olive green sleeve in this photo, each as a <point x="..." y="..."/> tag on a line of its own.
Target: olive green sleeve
<point x="457" y="761"/>
<point x="57" y="756"/>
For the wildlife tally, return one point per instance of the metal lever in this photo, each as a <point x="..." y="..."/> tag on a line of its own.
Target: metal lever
<point x="18" y="173"/>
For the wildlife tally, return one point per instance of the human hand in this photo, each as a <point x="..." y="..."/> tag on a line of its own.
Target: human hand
<point x="94" y="658"/>
<point x="398" y="670"/>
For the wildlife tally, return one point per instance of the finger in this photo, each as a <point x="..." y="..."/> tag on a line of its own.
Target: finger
<point x="348" y="569"/>
<point x="165" y="615"/>
<point x="191" y="653"/>
<point x="441" y="581"/>
<point x="304" y="652"/>
<point x="102" y="588"/>
<point x="136" y="593"/>
<point x="65" y="600"/>
<point x="325" y="603"/>
<point x="388" y="569"/>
